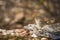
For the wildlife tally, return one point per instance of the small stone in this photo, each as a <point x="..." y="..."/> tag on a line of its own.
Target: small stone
<point x="34" y="35"/>
<point x="12" y="34"/>
<point x="44" y="38"/>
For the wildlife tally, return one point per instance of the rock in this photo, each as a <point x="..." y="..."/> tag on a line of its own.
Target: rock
<point x="51" y="31"/>
<point x="55" y="35"/>
<point x="44" y="39"/>
<point x="33" y="30"/>
<point x="34" y="35"/>
<point x="52" y="28"/>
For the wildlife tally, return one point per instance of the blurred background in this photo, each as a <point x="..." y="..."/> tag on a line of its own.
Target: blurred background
<point x="15" y="14"/>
